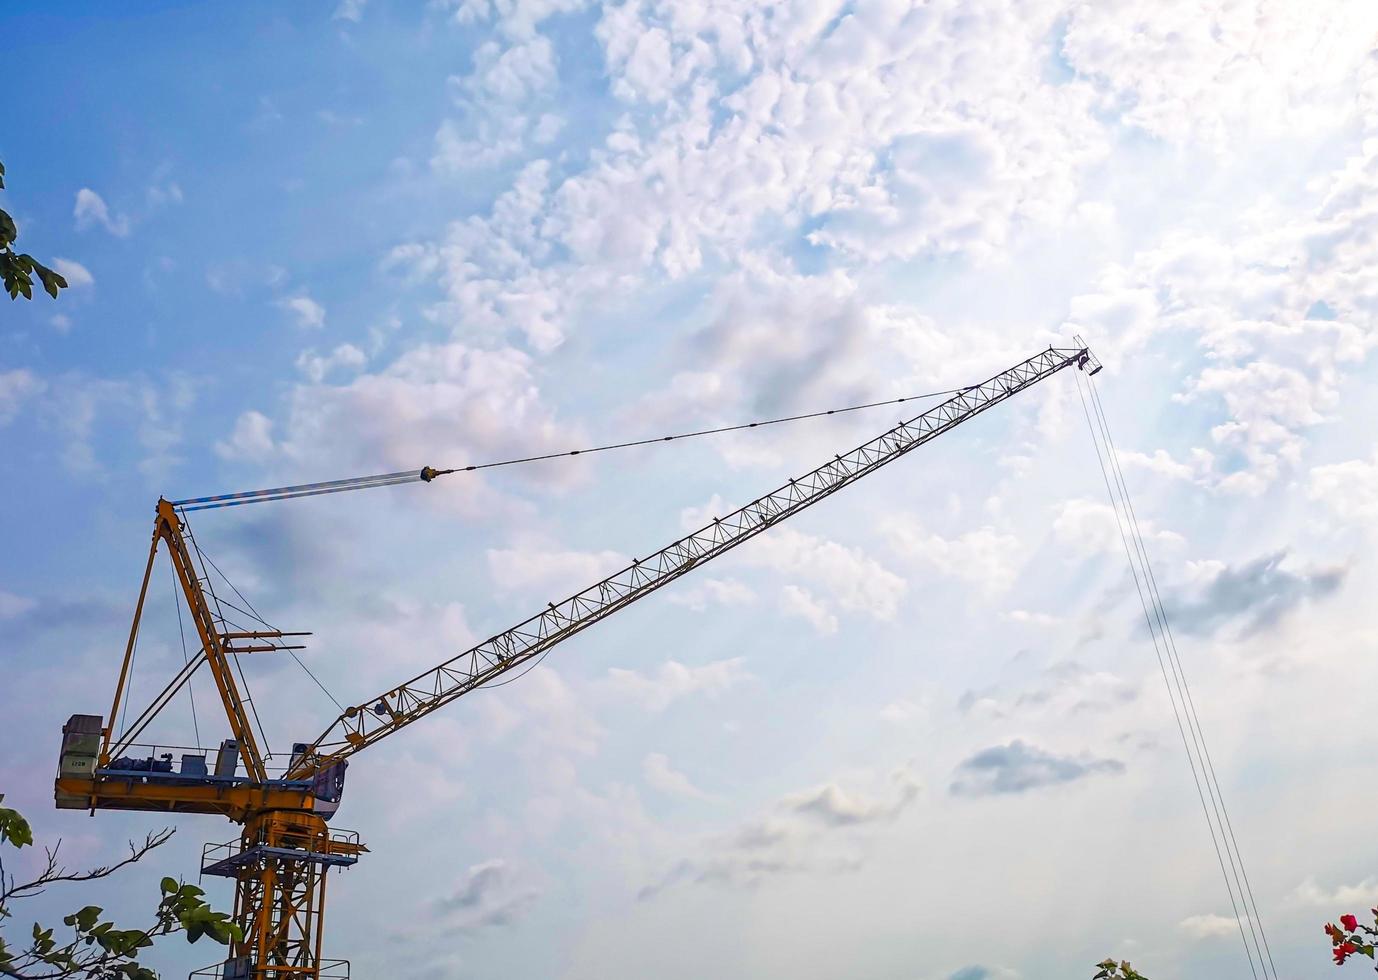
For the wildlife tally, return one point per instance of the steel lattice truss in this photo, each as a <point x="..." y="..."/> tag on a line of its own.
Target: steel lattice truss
<point x="365" y="724"/>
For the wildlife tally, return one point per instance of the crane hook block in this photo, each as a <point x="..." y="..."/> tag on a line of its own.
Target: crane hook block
<point x="428" y="473"/>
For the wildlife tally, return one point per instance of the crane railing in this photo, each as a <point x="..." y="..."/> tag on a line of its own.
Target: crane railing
<point x="362" y="725"/>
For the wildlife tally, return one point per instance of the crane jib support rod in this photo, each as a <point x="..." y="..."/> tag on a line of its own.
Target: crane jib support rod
<point x="365" y="724"/>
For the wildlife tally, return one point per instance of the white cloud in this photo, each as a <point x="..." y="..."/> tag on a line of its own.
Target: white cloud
<point x="510" y="73"/>
<point x="674" y="680"/>
<point x="1091" y="528"/>
<point x="711" y="592"/>
<point x="660" y="775"/>
<point x="1063" y="690"/>
<point x="489" y="895"/>
<point x="308" y="313"/>
<point x="984" y="557"/>
<point x="351" y="10"/>
<point x="1212" y="72"/>
<point x="559" y="572"/>
<point x="901" y="712"/>
<point x="90" y="209"/>
<point x="252" y="438"/>
<point x="814" y="832"/>
<point x="161" y="195"/>
<point x="16" y="388"/>
<point x="317" y="366"/>
<point x="1024" y="616"/>
<point x="12" y="605"/>
<point x="834" y="806"/>
<point x="1362" y="895"/>
<point x="76" y="274"/>
<point x="847" y="576"/>
<point x="444" y="405"/>
<point x="1210" y="926"/>
<point x="1349" y="490"/>
<point x="795" y="601"/>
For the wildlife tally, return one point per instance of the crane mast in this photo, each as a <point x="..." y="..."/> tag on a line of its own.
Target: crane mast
<point x="280" y="860"/>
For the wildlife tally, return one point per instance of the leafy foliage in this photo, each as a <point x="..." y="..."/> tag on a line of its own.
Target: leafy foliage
<point x="1110" y="970"/>
<point x="92" y="947"/>
<point x="17" y="269"/>
<point x="1349" y="938"/>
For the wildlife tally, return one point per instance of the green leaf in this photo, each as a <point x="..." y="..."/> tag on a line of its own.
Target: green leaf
<point x="2" y="176"/>
<point x="87" y="918"/>
<point x="52" y="281"/>
<point x="8" y="231"/>
<point x="13" y="827"/>
<point x="168" y="885"/>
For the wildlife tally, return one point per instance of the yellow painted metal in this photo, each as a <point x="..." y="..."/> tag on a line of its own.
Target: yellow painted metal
<point x="239" y="803"/>
<point x="170" y="528"/>
<point x="109" y="728"/>
<point x="280" y="893"/>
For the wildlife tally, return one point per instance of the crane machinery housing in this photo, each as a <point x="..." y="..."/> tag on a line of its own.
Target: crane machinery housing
<point x="281" y="857"/>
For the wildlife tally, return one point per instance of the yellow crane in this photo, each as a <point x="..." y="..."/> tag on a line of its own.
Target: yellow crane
<point x="281" y="858"/>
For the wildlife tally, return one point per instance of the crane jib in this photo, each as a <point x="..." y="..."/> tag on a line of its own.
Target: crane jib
<point x="362" y="725"/>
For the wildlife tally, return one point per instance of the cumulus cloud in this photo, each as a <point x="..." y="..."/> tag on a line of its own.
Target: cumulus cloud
<point x="818" y="831"/>
<point x="1017" y="767"/>
<point x="712" y="592"/>
<point x="350" y="10"/>
<point x="1091" y="528"/>
<point x="660" y="775"/>
<point x="252" y="438"/>
<point x="1255" y="595"/>
<point x="91" y="209"/>
<point x="1361" y="894"/>
<point x="955" y="143"/>
<point x="444" y="405"/>
<point x="795" y="601"/>
<point x="845" y="575"/>
<point x="76" y="274"/>
<point x="12" y="606"/>
<point x="985" y="557"/>
<point x="16" y="388"/>
<point x="1210" y="926"/>
<point x="531" y="566"/>
<point x="1062" y="690"/>
<point x="317" y="366"/>
<point x="1209" y="72"/>
<point x="674" y="680"/>
<point x="489" y="895"/>
<point x="836" y="807"/>
<point x="1349" y="490"/>
<point x="306" y="312"/>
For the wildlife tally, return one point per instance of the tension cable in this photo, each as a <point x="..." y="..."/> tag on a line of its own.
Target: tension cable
<point x="426" y="474"/>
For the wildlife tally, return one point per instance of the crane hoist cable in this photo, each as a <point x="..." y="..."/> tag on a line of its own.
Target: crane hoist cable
<point x="1227" y="852"/>
<point x="427" y="473"/>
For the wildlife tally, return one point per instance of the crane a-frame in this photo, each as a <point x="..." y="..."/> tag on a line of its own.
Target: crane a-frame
<point x="280" y="860"/>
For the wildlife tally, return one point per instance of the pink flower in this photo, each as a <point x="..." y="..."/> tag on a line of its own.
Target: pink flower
<point x="1349" y="922"/>
<point x="1343" y="952"/>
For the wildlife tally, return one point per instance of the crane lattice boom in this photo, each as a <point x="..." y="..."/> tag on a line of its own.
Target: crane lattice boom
<point x="360" y="726"/>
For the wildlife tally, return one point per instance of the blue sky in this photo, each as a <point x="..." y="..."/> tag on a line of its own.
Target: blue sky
<point x="311" y="241"/>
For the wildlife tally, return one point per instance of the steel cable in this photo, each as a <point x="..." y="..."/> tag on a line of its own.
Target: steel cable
<point x="426" y="473"/>
<point x="1174" y="692"/>
<point x="1184" y="690"/>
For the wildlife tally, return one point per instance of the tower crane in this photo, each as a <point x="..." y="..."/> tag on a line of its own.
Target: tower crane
<point x="280" y="860"/>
